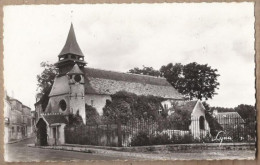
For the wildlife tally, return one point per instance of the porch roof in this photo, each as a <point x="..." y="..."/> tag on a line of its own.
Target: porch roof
<point x="54" y="118"/>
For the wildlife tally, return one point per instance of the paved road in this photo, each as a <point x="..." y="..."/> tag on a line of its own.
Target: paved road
<point x="20" y="152"/>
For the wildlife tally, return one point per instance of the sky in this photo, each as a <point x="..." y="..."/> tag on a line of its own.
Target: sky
<point x="120" y="37"/>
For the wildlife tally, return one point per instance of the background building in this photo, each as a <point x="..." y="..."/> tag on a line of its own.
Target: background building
<point x="7" y="117"/>
<point x="18" y="120"/>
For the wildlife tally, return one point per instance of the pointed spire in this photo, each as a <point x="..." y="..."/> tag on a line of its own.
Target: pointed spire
<point x="75" y="70"/>
<point x="71" y="46"/>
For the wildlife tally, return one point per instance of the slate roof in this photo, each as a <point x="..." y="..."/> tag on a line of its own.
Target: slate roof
<point x="120" y="76"/>
<point x="60" y="86"/>
<point x="13" y="99"/>
<point x="71" y="46"/>
<point x="99" y="81"/>
<point x="228" y="117"/>
<point x="104" y="82"/>
<point x="54" y="118"/>
<point x="75" y="70"/>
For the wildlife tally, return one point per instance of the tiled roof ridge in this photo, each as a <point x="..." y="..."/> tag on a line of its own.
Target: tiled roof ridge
<point x="52" y="113"/>
<point x="227" y="112"/>
<point x="142" y="75"/>
<point x="187" y="101"/>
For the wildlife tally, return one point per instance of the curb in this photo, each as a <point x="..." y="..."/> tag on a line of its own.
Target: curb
<point x="172" y="147"/>
<point x="138" y="149"/>
<point x="75" y="149"/>
<point x="152" y="155"/>
<point x="97" y="151"/>
<point x="16" y="141"/>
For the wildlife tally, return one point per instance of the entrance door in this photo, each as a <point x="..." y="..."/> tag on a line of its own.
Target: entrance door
<point x="54" y="130"/>
<point x="42" y="132"/>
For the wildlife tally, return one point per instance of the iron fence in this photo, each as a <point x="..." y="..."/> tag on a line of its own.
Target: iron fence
<point x="149" y="132"/>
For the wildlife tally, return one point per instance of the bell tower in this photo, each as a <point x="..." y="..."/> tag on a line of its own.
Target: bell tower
<point x="77" y="92"/>
<point x="70" y="55"/>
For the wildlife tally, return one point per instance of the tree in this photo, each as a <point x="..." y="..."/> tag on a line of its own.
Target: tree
<point x="145" y="71"/>
<point x="206" y="106"/>
<point x="192" y="80"/>
<point x="92" y="116"/>
<point x="214" y="126"/>
<point x="45" y="82"/>
<point x="125" y="106"/>
<point x="117" y="110"/>
<point x="180" y="119"/>
<point x="75" y="119"/>
<point x="222" y="109"/>
<point x="173" y="74"/>
<point x="246" y="111"/>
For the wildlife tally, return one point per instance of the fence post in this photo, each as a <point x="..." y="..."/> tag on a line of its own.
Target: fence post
<point x="97" y="134"/>
<point x="119" y="133"/>
<point x="107" y="137"/>
<point x="77" y="133"/>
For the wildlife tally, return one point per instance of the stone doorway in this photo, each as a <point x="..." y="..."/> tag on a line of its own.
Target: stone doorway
<point x="41" y="132"/>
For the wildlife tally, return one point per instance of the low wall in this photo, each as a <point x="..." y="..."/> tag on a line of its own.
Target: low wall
<point x="177" y="147"/>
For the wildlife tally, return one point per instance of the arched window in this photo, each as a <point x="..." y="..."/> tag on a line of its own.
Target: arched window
<point x="63" y="105"/>
<point x="202" y="122"/>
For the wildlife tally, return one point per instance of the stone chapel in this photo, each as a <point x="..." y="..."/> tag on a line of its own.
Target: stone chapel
<point x="77" y="85"/>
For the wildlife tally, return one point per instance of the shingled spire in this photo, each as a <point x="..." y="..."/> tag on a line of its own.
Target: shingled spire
<point x="71" y="54"/>
<point x="71" y="46"/>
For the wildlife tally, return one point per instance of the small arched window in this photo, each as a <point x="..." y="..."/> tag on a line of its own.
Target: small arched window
<point x="63" y="105"/>
<point x="202" y="122"/>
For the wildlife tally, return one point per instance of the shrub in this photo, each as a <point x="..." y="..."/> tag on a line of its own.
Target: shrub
<point x="180" y="120"/>
<point x="160" y="139"/>
<point x="141" y="139"/>
<point x="187" y="138"/>
<point x="214" y="126"/>
<point x="92" y="116"/>
<point x="178" y="139"/>
<point x="207" y="138"/>
<point x="84" y="140"/>
<point x="75" y="119"/>
<point x="125" y="106"/>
